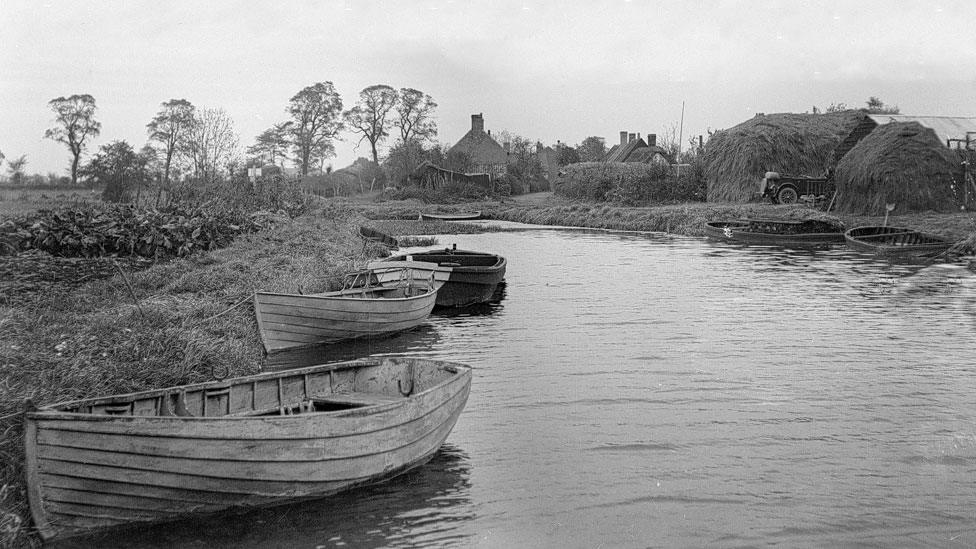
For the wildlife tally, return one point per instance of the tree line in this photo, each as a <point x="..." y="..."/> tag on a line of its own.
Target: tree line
<point x="186" y="142"/>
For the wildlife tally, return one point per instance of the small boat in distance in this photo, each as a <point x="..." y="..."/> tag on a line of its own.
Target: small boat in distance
<point x="261" y="440"/>
<point x="474" y="275"/>
<point x="372" y="235"/>
<point x="895" y="241"/>
<point x="775" y="232"/>
<point x="365" y="307"/>
<point x="460" y="216"/>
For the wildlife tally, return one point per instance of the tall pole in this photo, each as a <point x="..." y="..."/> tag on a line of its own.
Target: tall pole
<point x="681" y="128"/>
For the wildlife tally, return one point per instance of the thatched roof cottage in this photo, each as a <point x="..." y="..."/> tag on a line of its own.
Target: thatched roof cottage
<point x="485" y="153"/>
<point x="634" y="149"/>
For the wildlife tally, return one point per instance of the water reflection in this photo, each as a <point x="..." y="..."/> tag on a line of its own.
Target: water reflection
<point x="423" y="507"/>
<point x="413" y="341"/>
<point x="492" y="306"/>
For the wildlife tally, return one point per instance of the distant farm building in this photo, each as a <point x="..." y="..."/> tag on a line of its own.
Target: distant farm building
<point x="485" y="153"/>
<point x="430" y="175"/>
<point x="634" y="149"/>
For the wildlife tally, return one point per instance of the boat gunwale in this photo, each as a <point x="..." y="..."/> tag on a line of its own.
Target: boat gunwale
<point x="50" y="411"/>
<point x="874" y="242"/>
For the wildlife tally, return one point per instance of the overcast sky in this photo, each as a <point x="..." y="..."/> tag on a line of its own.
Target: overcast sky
<point x="554" y="70"/>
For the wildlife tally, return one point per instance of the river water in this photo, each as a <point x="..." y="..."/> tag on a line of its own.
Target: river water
<point x="657" y="391"/>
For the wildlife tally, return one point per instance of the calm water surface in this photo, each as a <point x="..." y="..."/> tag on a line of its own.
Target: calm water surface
<point x="657" y="391"/>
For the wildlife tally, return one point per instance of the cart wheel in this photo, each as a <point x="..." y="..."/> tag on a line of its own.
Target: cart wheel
<point x="787" y="195"/>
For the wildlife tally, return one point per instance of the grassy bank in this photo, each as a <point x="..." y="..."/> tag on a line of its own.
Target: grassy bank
<point x="184" y="321"/>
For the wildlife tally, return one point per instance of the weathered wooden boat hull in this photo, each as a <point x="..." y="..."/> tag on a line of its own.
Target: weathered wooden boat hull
<point x="895" y="241"/>
<point x="464" y="216"/>
<point x="474" y="275"/>
<point x="256" y="441"/>
<point x="289" y="321"/>
<point x="735" y="231"/>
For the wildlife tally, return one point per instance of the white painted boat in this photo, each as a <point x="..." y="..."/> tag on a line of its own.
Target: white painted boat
<point x="366" y="307"/>
<point x="387" y="271"/>
<point x="158" y="456"/>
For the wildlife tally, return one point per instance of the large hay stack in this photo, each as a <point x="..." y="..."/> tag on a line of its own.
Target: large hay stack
<point x="798" y="144"/>
<point x="901" y="163"/>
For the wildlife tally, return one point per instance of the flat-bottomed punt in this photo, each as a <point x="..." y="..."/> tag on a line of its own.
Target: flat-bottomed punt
<point x="360" y="310"/>
<point x="474" y="275"/>
<point x="158" y="456"/>
<point x="775" y="232"/>
<point x="895" y="241"/>
<point x="460" y="216"/>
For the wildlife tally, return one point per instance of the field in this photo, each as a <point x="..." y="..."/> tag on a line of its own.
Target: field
<point x="20" y="201"/>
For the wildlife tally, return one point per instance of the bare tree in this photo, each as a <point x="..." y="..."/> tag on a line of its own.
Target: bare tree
<point x="211" y="143"/>
<point x="415" y="112"/>
<point x="316" y="120"/>
<point x="75" y="123"/>
<point x="170" y="128"/>
<point x="370" y="116"/>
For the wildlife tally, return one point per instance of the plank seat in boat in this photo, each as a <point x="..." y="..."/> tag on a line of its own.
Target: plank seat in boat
<point x="355" y="398"/>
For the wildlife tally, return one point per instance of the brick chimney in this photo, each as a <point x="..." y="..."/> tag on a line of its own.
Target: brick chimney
<point x="651" y="140"/>
<point x="623" y="138"/>
<point x="507" y="146"/>
<point x="631" y="137"/>
<point x="477" y="122"/>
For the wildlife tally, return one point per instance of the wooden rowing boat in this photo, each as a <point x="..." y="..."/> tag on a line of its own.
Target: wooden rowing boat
<point x="895" y="241"/>
<point x="461" y="216"/>
<point x="364" y="308"/>
<point x="775" y="232"/>
<point x="158" y="456"/>
<point x="474" y="275"/>
<point x="377" y="237"/>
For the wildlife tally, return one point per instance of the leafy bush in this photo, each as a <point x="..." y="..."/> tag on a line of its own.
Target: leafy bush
<point x="630" y="183"/>
<point x="98" y="231"/>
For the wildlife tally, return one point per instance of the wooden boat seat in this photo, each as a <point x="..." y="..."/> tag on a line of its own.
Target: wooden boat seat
<point x="355" y="398"/>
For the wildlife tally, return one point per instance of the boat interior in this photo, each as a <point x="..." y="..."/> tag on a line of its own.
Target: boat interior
<point x="328" y="388"/>
<point x="896" y="237"/>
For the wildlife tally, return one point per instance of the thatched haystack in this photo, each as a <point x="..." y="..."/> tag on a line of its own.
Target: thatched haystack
<point x="901" y="163"/>
<point x="798" y="144"/>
